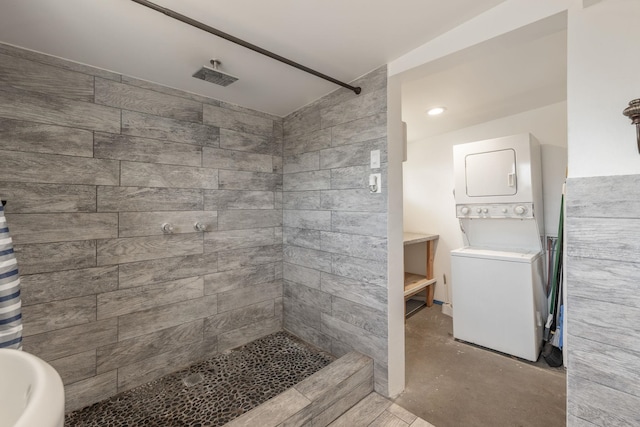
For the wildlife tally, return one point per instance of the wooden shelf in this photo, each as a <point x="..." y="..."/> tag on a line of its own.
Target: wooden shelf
<point x="414" y="283"/>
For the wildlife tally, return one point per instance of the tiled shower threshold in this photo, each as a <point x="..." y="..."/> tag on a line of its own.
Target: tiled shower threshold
<point x="213" y="392"/>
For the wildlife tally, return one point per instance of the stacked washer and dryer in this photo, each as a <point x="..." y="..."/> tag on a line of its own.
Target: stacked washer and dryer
<point x="498" y="283"/>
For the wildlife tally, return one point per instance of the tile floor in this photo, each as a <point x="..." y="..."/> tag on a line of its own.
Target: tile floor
<point x="212" y="392"/>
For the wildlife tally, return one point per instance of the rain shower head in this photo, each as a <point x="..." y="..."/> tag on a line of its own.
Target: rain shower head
<point x="214" y="75"/>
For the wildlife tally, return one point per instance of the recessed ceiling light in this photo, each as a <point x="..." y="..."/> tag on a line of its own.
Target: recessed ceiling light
<point x="435" y="111"/>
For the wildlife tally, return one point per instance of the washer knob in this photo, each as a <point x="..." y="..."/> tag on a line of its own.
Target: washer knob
<point x="478" y="210"/>
<point x="520" y="210"/>
<point x="485" y="210"/>
<point x="464" y="210"/>
<point x="505" y="210"/>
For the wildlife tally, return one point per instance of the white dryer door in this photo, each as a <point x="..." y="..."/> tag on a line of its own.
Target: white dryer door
<point x="491" y="173"/>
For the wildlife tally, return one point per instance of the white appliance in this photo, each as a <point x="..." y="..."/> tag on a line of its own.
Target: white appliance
<point x="499" y="300"/>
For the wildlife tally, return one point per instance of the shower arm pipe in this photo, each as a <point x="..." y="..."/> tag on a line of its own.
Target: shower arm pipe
<point x="229" y="37"/>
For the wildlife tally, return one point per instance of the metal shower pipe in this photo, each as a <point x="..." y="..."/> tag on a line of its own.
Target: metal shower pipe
<point x="229" y="37"/>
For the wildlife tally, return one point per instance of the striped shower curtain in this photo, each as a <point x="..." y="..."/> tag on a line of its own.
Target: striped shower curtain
<point x="10" y="307"/>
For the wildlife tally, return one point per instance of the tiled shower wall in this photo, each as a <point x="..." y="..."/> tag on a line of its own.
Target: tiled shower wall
<point x="91" y="164"/>
<point x="603" y="235"/>
<point x="335" y="245"/>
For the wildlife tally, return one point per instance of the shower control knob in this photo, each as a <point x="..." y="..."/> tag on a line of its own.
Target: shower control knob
<point x="198" y="226"/>
<point x="464" y="210"/>
<point x="167" y="228"/>
<point x="520" y="210"/>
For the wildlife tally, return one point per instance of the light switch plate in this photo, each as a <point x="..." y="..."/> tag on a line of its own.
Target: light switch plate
<point x="375" y="159"/>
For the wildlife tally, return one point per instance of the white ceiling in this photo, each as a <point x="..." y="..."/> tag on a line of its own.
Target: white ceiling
<point x="344" y="39"/>
<point x="520" y="71"/>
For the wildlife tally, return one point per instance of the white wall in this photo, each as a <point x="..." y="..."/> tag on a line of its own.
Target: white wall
<point x="603" y="71"/>
<point x="429" y="205"/>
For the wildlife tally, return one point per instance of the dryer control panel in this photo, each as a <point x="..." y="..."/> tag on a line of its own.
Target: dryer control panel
<point x="495" y="210"/>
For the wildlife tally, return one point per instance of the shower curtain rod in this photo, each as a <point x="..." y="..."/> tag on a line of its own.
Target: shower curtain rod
<point x="229" y="37"/>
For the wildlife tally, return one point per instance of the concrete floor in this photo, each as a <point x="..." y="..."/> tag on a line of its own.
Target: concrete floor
<point x="450" y="383"/>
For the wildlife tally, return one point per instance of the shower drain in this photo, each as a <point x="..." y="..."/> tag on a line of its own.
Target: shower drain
<point x="193" y="379"/>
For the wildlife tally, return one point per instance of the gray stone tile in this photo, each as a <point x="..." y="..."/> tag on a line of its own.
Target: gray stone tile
<point x="236" y="160"/>
<point x="363" y="105"/>
<point x="45" y="198"/>
<point x="27" y="75"/>
<point x="348" y="399"/>
<point x="130" y="300"/>
<point x="370" y="271"/>
<point x="303" y="121"/>
<point x="239" y="278"/>
<point x="614" y="239"/>
<point x="307" y="143"/>
<point x="263" y="144"/>
<point x="75" y="367"/>
<point x="278" y="269"/>
<point x="61" y="285"/>
<point x="363" y="223"/>
<point x="17" y="135"/>
<point x="278" y="164"/>
<point x="357" y="291"/>
<point x="301" y="275"/>
<point x="49" y="109"/>
<point x="55" y="315"/>
<point x="276" y="411"/>
<point x="309" y="219"/>
<point x="359" y="315"/>
<point x="387" y="419"/>
<point x="369" y="247"/>
<point x="237" y="121"/>
<point x="134" y="174"/>
<point x="306" y="314"/>
<point x="136" y="149"/>
<point x="353" y="154"/>
<point x="302" y="237"/>
<point x="56" y="62"/>
<point x="309" y="200"/>
<point x="237" y="199"/>
<point x="168" y="90"/>
<point x="295" y="293"/>
<point x="302" y="162"/>
<point x="133" y="224"/>
<point x="235" y="239"/>
<point x="253" y="181"/>
<point x="352" y="177"/>
<point x="140" y="199"/>
<point x="370" y="82"/>
<point x="164" y="269"/>
<point x="314" y="180"/>
<point x="62" y="227"/>
<point x="136" y="349"/>
<point x="246" y="334"/>
<point x="128" y="97"/>
<point x="356" y="200"/>
<point x="158" y="318"/>
<point x="249" y="111"/>
<point x="47" y="257"/>
<point x="244" y="219"/>
<point x="234" y="319"/>
<point x="277" y="196"/>
<point x="238" y="258"/>
<point x="594" y="196"/>
<point x="364" y="412"/>
<point x="68" y="341"/>
<point x="401" y="413"/>
<point x="86" y="392"/>
<point x="246" y="296"/>
<point x="148" y="126"/>
<point x="131" y="249"/>
<point x="362" y="341"/>
<point x="365" y="129"/>
<point x="53" y="169"/>
<point x="306" y="333"/>
<point x="305" y="257"/>
<point x="158" y="365"/>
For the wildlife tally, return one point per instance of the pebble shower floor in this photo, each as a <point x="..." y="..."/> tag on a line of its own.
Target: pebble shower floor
<point x="213" y="392"/>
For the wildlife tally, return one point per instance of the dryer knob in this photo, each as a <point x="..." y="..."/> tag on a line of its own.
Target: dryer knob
<point x="520" y="210"/>
<point x="485" y="210"/>
<point x="478" y="210"/>
<point x="464" y="210"/>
